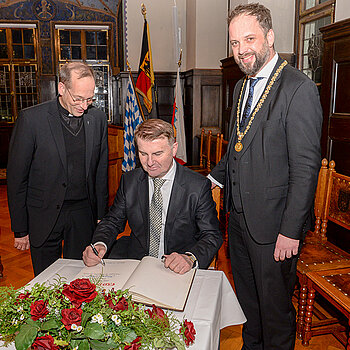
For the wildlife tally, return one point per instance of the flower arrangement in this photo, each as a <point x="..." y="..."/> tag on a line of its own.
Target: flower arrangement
<point x="81" y="316"/>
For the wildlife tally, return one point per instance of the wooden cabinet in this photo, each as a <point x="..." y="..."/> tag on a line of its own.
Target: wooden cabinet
<point x="230" y="76"/>
<point x="335" y="99"/>
<point x="335" y="95"/>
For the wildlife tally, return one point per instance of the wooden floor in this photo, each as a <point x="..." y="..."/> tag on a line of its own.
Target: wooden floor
<point x="18" y="271"/>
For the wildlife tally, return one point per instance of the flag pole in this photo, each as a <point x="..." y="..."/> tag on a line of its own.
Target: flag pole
<point x="133" y="85"/>
<point x="180" y="59"/>
<point x="144" y="13"/>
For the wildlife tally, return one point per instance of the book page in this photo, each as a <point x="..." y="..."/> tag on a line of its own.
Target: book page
<point x="114" y="274"/>
<point x="152" y="283"/>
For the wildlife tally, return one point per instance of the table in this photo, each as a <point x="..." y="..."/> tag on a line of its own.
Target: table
<point x="211" y="305"/>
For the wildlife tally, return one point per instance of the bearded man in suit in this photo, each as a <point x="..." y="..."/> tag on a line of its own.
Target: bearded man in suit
<point x="188" y="234"/>
<point x="57" y="171"/>
<point x="269" y="175"/>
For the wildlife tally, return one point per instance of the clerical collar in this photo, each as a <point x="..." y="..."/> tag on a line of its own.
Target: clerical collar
<point x="63" y="112"/>
<point x="71" y="123"/>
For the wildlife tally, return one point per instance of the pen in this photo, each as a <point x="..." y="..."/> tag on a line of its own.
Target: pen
<point x="96" y="253"/>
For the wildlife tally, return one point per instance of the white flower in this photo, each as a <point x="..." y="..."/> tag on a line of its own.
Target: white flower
<point x="21" y="317"/>
<point x="76" y="348"/>
<point x="116" y="320"/>
<point x="14" y="321"/>
<point x="97" y="318"/>
<point x="74" y="327"/>
<point x="79" y="328"/>
<point x="20" y="309"/>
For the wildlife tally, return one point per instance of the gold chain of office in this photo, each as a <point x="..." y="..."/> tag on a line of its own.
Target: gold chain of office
<point x="240" y="135"/>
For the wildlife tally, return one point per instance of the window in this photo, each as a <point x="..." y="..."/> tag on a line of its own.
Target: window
<point x="311" y="16"/>
<point x="83" y="44"/>
<point x="18" y="70"/>
<point x="89" y="43"/>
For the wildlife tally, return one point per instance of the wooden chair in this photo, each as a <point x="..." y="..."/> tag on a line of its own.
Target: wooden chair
<point x="320" y="257"/>
<point x="334" y="286"/>
<point x="210" y="152"/>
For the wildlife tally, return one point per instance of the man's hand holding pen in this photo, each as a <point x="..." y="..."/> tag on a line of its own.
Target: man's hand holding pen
<point x="93" y="254"/>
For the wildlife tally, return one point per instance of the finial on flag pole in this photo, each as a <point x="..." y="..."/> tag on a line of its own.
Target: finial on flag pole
<point x="143" y="10"/>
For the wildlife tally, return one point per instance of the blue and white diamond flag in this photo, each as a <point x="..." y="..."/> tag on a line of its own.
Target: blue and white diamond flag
<point x="131" y="121"/>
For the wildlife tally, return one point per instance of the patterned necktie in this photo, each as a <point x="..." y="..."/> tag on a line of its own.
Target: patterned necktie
<point x="155" y="213"/>
<point x="248" y="104"/>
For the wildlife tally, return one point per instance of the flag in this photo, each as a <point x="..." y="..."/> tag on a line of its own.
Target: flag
<point x="145" y="79"/>
<point x="131" y="121"/>
<point x="178" y="123"/>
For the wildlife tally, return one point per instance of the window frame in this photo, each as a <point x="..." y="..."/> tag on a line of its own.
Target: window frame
<point x="11" y="62"/>
<point x="303" y="17"/>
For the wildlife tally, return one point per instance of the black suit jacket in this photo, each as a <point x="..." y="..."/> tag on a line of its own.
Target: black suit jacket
<point x="278" y="167"/>
<point x="37" y="168"/>
<point x="191" y="223"/>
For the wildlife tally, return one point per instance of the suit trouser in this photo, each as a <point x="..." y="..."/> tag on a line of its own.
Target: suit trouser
<point x="74" y="228"/>
<point x="264" y="289"/>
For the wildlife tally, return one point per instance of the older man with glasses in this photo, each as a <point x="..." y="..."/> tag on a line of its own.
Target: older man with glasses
<point x="57" y="171"/>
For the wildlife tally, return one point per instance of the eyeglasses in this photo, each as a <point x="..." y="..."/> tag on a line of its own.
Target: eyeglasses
<point x="80" y="100"/>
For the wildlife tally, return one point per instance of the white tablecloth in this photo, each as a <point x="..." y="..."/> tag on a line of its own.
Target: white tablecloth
<point x="211" y="305"/>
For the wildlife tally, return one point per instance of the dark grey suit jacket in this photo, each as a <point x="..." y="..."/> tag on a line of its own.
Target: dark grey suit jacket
<point x="191" y="223"/>
<point x="280" y="160"/>
<point x="37" y="168"/>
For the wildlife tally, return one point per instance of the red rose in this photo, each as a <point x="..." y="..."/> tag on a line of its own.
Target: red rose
<point x="70" y="316"/>
<point x="79" y="291"/>
<point x="135" y="344"/>
<point x="38" y="309"/>
<point x="45" y="343"/>
<point x="23" y="296"/>
<point x="121" y="305"/>
<point x="188" y="332"/>
<point x="158" y="314"/>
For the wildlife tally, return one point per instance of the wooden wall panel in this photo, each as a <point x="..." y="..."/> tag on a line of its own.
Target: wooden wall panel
<point x="211" y="107"/>
<point x="115" y="159"/>
<point x="202" y="105"/>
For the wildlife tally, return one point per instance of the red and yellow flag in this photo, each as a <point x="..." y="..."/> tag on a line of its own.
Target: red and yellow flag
<point x="145" y="79"/>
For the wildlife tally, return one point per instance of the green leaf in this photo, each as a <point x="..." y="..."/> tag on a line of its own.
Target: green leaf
<point x="26" y="337"/>
<point x="94" y="331"/>
<point x="50" y="324"/>
<point x="128" y="336"/>
<point x="84" y="345"/>
<point x="178" y="343"/>
<point x="99" y="345"/>
<point x="159" y="343"/>
<point x="85" y="317"/>
<point x="33" y="323"/>
<point x="111" y="343"/>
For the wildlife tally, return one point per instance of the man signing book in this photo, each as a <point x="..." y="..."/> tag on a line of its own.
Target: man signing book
<point x="168" y="207"/>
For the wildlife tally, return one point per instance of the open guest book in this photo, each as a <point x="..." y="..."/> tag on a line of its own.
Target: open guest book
<point x="148" y="281"/>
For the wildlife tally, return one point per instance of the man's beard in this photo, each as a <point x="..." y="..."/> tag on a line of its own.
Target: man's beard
<point x="260" y="59"/>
